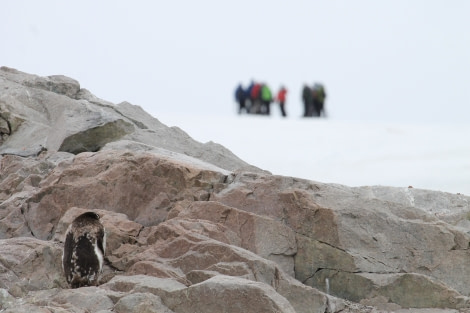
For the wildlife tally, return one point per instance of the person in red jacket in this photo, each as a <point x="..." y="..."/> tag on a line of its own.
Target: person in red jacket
<point x="281" y="99"/>
<point x="255" y="97"/>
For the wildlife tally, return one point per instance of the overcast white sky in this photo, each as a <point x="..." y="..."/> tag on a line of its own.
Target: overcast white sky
<point x="400" y="61"/>
<point x="394" y="60"/>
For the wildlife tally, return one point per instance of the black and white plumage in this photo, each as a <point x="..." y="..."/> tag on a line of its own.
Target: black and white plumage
<point x="85" y="244"/>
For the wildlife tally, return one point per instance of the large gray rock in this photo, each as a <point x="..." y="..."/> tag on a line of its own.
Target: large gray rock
<point x="189" y="229"/>
<point x="53" y="113"/>
<point x="264" y="236"/>
<point x="29" y="264"/>
<point x="46" y="117"/>
<point x="369" y="230"/>
<point x="141" y="302"/>
<point x="230" y="295"/>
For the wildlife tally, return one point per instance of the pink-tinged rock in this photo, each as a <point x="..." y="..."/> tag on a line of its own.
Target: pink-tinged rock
<point x="230" y="295"/>
<point x="262" y="235"/>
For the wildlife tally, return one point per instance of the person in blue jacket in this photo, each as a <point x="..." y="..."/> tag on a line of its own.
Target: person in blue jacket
<point x="240" y="97"/>
<point x="249" y="102"/>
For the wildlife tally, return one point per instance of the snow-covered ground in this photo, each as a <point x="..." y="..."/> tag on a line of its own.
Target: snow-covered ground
<point x="353" y="153"/>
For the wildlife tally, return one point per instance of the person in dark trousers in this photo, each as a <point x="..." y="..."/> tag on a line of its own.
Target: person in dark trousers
<point x="319" y="96"/>
<point x="307" y="98"/>
<point x="266" y="99"/>
<point x="240" y="97"/>
<point x="281" y="99"/>
<point x="248" y="101"/>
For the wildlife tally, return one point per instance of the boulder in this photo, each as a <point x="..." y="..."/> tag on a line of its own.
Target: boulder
<point x="361" y="230"/>
<point x="161" y="287"/>
<point x="140" y="185"/>
<point x="229" y="294"/>
<point x="85" y="299"/>
<point x="191" y="227"/>
<point x="264" y="236"/>
<point x="405" y="290"/>
<point x="141" y="302"/>
<point x="53" y="113"/>
<point x="59" y="84"/>
<point x="29" y="264"/>
<point x="88" y="299"/>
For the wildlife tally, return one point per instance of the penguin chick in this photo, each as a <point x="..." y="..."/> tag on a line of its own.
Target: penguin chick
<point x="83" y="255"/>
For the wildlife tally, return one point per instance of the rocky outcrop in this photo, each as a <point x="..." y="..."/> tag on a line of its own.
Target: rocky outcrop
<point x="192" y="228"/>
<point x="54" y="114"/>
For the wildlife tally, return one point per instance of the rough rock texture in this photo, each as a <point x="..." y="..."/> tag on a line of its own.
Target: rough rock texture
<point x="192" y="228"/>
<point x="53" y="113"/>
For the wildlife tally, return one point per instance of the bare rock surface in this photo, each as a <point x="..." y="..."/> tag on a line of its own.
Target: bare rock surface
<point x="192" y="228"/>
<point x="53" y="113"/>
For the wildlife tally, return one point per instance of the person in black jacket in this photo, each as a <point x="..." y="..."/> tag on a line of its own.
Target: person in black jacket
<point x="240" y="97"/>
<point x="307" y="98"/>
<point x="319" y="96"/>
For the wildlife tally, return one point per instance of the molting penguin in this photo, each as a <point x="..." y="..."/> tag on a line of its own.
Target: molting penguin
<point x="84" y="247"/>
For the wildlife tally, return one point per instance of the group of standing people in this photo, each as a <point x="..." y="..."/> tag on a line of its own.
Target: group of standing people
<point x="314" y="100"/>
<point x="257" y="99"/>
